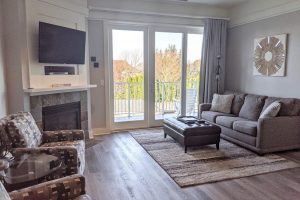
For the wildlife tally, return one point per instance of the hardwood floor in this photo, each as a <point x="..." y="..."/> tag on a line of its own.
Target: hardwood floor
<point x="118" y="168"/>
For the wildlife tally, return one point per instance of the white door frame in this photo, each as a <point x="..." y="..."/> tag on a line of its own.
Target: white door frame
<point x="108" y="27"/>
<point x="149" y="70"/>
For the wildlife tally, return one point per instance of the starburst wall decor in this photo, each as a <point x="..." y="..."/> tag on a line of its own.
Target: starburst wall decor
<point x="270" y="55"/>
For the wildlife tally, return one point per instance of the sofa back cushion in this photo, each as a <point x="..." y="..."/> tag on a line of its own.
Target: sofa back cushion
<point x="252" y="107"/>
<point x="222" y="103"/>
<point x="289" y="106"/>
<point x="23" y="131"/>
<point x="237" y="101"/>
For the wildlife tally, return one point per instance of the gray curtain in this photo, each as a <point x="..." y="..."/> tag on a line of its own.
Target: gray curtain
<point x="214" y="45"/>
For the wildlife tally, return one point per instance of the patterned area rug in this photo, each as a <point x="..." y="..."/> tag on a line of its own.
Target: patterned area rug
<point x="205" y="164"/>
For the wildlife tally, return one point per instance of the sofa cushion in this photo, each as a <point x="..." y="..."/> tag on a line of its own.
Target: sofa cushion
<point x="271" y="111"/>
<point x="252" y="107"/>
<point x="211" y="116"/>
<point x="234" y="136"/>
<point x="247" y="127"/>
<point x="237" y="103"/>
<point x="222" y="103"/>
<point x="228" y="121"/>
<point x="289" y="106"/>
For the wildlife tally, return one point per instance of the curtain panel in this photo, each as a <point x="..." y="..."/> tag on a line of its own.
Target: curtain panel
<point x="214" y="45"/>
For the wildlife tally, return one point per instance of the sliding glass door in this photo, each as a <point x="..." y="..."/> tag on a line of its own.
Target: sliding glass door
<point x="128" y="77"/>
<point x="168" y="62"/>
<point x="194" y="52"/>
<point x="175" y="58"/>
<point x="154" y="73"/>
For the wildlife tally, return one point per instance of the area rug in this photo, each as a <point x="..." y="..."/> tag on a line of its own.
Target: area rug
<point x="205" y="164"/>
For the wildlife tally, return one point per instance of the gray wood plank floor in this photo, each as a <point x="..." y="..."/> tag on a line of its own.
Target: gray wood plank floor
<point x="118" y="168"/>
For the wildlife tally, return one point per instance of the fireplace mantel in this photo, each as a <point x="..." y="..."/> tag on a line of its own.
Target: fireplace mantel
<point x="56" y="90"/>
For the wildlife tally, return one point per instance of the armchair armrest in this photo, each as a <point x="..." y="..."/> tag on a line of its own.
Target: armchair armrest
<point x="64" y="188"/>
<point x="278" y="133"/>
<point x="62" y="135"/>
<point x="67" y="154"/>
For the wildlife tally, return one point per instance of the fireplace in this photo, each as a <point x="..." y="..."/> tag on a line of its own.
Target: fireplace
<point x="62" y="117"/>
<point x="67" y="110"/>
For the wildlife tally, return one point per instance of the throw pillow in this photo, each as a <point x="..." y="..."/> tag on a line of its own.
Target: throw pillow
<point x="222" y="103"/>
<point x="272" y="110"/>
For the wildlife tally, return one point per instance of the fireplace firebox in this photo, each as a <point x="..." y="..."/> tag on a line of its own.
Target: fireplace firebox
<point x="62" y="117"/>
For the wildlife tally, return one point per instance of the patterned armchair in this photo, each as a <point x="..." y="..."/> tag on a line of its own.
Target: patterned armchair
<point x="25" y="137"/>
<point x="67" y="188"/>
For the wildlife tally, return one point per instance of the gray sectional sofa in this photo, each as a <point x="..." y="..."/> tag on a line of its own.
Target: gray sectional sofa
<point x="261" y="135"/>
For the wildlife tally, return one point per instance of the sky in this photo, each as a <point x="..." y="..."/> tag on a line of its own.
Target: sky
<point x="133" y="41"/>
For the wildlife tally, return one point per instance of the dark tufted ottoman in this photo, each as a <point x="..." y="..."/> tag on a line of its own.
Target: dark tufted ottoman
<point x="192" y="135"/>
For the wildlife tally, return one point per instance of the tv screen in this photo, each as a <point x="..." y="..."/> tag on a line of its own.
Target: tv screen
<point x="61" y="45"/>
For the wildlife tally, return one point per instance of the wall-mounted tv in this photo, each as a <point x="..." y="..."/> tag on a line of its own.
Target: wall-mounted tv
<point x="61" y="45"/>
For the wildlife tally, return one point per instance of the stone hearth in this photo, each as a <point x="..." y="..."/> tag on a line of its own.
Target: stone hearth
<point x="37" y="103"/>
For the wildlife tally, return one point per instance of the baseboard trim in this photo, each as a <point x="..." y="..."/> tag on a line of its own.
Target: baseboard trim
<point x="101" y="131"/>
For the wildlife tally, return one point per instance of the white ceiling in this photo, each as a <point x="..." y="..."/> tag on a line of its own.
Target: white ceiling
<point x="222" y="3"/>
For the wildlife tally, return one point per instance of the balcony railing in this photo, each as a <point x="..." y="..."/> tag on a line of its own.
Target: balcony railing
<point x="129" y="98"/>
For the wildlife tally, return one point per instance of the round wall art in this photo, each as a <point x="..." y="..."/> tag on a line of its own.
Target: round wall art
<point x="270" y="55"/>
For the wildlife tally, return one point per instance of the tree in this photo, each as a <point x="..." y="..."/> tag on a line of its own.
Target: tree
<point x="122" y="70"/>
<point x="133" y="58"/>
<point x="168" y="64"/>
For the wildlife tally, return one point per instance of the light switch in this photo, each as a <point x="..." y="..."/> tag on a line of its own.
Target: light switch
<point x="102" y="82"/>
<point x="93" y="59"/>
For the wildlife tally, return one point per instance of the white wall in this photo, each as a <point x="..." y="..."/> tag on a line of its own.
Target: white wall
<point x="255" y="10"/>
<point x="163" y="8"/>
<point x="96" y="48"/>
<point x="3" y="102"/>
<point x="20" y="18"/>
<point x="240" y="57"/>
<point x="14" y="36"/>
<point x="67" y="13"/>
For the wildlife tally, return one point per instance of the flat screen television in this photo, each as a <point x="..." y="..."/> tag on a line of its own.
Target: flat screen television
<point x="61" y="45"/>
